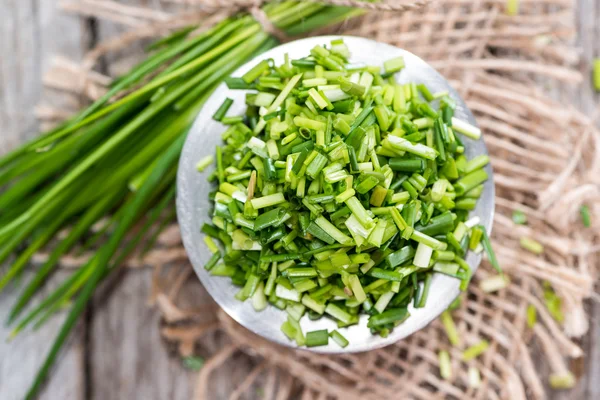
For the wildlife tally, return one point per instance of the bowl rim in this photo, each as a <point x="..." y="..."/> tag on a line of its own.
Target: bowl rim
<point x="187" y="182"/>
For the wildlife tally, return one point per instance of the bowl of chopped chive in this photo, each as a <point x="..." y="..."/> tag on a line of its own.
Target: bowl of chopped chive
<point x="349" y="198"/>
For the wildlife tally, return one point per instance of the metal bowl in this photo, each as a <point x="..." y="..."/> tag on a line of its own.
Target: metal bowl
<point x="194" y="207"/>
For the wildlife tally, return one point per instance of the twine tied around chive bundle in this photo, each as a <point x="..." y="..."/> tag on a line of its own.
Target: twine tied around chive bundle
<point x="254" y="7"/>
<point x="381" y="5"/>
<point x="261" y="17"/>
<point x="546" y="159"/>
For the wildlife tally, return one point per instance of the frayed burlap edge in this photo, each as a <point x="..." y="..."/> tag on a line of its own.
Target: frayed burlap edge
<point x="546" y="162"/>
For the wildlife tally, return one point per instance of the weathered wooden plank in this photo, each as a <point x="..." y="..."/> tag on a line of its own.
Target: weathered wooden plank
<point x="21" y="358"/>
<point x="30" y="33"/>
<point x="128" y="358"/>
<point x="19" y="73"/>
<point x="118" y="63"/>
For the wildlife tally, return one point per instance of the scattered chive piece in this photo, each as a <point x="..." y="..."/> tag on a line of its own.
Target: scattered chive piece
<point x="585" y="216"/>
<point x="317" y="338"/>
<point x="288" y="330"/>
<point x="531" y="316"/>
<point x="474" y="377"/>
<point x="329" y="201"/>
<point x="487" y="246"/>
<point x="339" y="338"/>
<point x="512" y="7"/>
<point x="531" y="245"/>
<point x="450" y="328"/>
<point x="553" y="303"/>
<point x="494" y="283"/>
<point x="394" y="65"/>
<point x="562" y="381"/>
<point x="519" y="217"/>
<point x="193" y="363"/>
<point x="475" y="350"/>
<point x="597" y="74"/>
<point x="204" y="163"/>
<point x="222" y="110"/>
<point x="445" y="366"/>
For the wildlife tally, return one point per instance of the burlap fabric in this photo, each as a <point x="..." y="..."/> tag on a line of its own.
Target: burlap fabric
<point x="546" y="160"/>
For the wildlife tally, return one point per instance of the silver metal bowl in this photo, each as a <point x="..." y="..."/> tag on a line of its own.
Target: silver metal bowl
<point x="194" y="207"/>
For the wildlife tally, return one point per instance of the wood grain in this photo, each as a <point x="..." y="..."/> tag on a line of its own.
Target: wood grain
<point x="31" y="32"/>
<point x="21" y="358"/>
<point x="128" y="358"/>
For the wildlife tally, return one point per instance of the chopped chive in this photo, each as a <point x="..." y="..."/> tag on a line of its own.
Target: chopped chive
<point x="359" y="212"/>
<point x="211" y="244"/>
<point x="339" y="339"/>
<point x="423" y="255"/>
<point x="531" y="316"/>
<point x="400" y="164"/>
<point x="470" y="181"/>
<point x="317" y="338"/>
<point x="267" y="201"/>
<point x="531" y="245"/>
<point x="477" y="163"/>
<point x="212" y="261"/>
<point x="425" y="293"/>
<point x="445" y="366"/>
<point x="450" y="328"/>
<point x="519" y="217"/>
<point x="425" y="92"/>
<point x="338" y="313"/>
<point x="585" y="216"/>
<point x="562" y="381"/>
<point x="204" y="163"/>
<point x="487" y="245"/>
<point x="256" y="71"/>
<point x="553" y="303"/>
<point x="313" y="304"/>
<point x="470" y="131"/>
<point x="193" y="363"/>
<point x="596" y="73"/>
<point x="475" y="350"/>
<point x="512" y="7"/>
<point x="394" y="65"/>
<point x="237" y="83"/>
<point x="389" y="316"/>
<point x="222" y="110"/>
<point x="417" y="149"/>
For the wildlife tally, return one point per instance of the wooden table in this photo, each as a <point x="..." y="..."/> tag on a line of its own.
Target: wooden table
<point x="117" y="352"/>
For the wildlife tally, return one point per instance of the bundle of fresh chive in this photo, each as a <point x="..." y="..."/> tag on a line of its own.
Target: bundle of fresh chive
<point x="343" y="191"/>
<point x="115" y="162"/>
